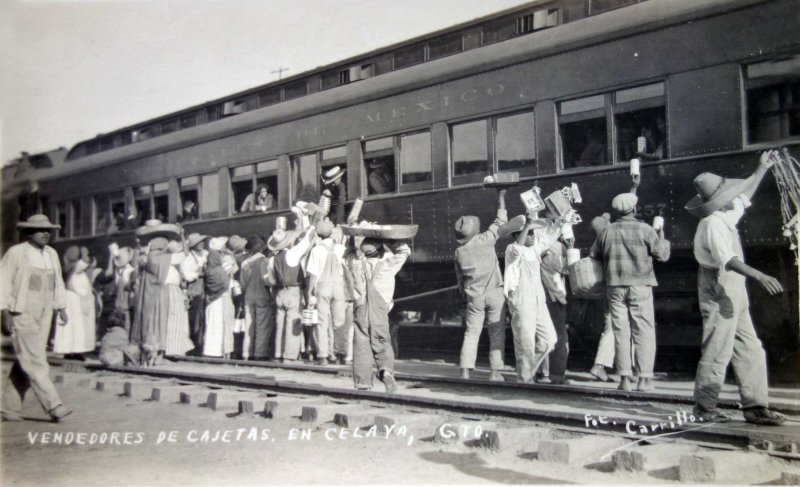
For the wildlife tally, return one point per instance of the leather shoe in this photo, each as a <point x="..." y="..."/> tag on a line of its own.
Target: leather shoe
<point x="763" y="416"/>
<point x="59" y="412"/>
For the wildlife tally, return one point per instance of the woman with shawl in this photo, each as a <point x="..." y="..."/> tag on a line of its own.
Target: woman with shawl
<point x="218" y="340"/>
<point x="78" y="335"/>
<point x="160" y="319"/>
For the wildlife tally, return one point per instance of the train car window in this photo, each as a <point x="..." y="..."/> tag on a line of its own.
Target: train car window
<point x="499" y="30"/>
<point x="106" y="143"/>
<point x="772" y="91"/>
<point x="118" y="220"/>
<point x="44" y="206"/>
<point x="61" y="218"/>
<point x="329" y="80"/>
<point x="379" y="165"/>
<point x="514" y="143"/>
<point x="600" y="6"/>
<point x="445" y="46"/>
<point x="640" y="122"/>
<point x="169" y="126"/>
<point x="645" y="92"/>
<point x="584" y="143"/>
<point x="189" y="121"/>
<point x="469" y="147"/>
<point x="209" y="195"/>
<point x="295" y="89"/>
<point x="161" y="200"/>
<point x="582" y="105"/>
<point x="76" y="218"/>
<point x="142" y="200"/>
<point x="241" y="185"/>
<point x="269" y="97"/>
<point x="306" y="177"/>
<point x="408" y="56"/>
<point x="189" y="196"/>
<point x="102" y="214"/>
<point x="415" y="160"/>
<point x="213" y="113"/>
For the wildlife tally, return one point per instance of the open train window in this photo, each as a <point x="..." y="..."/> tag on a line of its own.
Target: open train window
<point x="189" y="197"/>
<point x="295" y="89"/>
<point x="379" y="165"/>
<point x="305" y="172"/>
<point x="267" y="175"/>
<point x="600" y="6"/>
<point x="109" y="213"/>
<point x="499" y="30"/>
<point x="76" y="218"/>
<point x="640" y="120"/>
<point x="582" y="127"/>
<point x="141" y="196"/>
<point x="773" y="100"/>
<point x="61" y="219"/>
<point x="241" y="186"/>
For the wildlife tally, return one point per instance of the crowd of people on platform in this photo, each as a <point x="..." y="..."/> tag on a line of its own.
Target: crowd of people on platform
<point x="311" y="292"/>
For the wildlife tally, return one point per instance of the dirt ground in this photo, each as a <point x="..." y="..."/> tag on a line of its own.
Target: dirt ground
<point x="128" y="442"/>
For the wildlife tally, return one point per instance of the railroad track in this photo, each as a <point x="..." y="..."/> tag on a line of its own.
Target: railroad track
<point x="569" y="419"/>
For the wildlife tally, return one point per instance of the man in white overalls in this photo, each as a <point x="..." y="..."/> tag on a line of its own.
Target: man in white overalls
<point x="31" y="288"/>
<point x="728" y="333"/>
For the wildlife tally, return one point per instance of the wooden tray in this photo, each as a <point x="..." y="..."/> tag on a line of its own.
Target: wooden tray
<point x="388" y="232"/>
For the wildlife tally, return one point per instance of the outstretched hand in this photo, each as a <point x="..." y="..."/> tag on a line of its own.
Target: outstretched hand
<point x="769" y="158"/>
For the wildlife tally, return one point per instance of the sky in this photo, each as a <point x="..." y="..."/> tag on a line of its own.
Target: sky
<point x="72" y="69"/>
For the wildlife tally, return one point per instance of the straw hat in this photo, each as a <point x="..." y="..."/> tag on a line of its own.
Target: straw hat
<point x="332" y="175"/>
<point x="516" y="224"/>
<point x="236" y="243"/>
<point x="38" y="221"/>
<point x="194" y="239"/>
<point x="157" y="228"/>
<point x="467" y="227"/>
<point x="281" y="239"/>
<point x="713" y="192"/>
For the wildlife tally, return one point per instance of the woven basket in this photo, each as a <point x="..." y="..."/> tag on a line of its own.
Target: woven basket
<point x="586" y="279"/>
<point x="388" y="232"/>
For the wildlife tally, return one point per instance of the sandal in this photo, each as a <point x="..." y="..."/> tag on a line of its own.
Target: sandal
<point x="763" y="416"/>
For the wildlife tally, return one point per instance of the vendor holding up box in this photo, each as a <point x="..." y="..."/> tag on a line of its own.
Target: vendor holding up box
<point x="480" y="284"/>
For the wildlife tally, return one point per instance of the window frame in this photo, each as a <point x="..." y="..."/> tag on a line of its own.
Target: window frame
<point x="755" y="83"/>
<point x="609" y="112"/>
<point x="492" y="163"/>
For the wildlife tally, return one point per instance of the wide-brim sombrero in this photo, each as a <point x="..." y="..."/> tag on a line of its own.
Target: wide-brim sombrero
<point x="156" y="228"/>
<point x="727" y="192"/>
<point x="280" y="239"/>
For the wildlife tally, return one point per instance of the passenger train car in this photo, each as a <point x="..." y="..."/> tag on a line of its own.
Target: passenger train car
<point x="561" y="91"/>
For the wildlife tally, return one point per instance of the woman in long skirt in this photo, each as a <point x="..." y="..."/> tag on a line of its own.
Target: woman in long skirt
<point x="77" y="337"/>
<point x="175" y="335"/>
<point x="218" y="340"/>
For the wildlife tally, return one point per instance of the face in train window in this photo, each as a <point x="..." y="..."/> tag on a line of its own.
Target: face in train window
<point x="189" y="198"/>
<point x="379" y="163"/>
<point x="773" y="100"/>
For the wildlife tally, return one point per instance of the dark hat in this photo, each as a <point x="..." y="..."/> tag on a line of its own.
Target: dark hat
<point x="38" y="222"/>
<point x="370" y="245"/>
<point x="467" y="227"/>
<point x="255" y="243"/>
<point x="515" y="225"/>
<point x="713" y="192"/>
<point x="376" y="163"/>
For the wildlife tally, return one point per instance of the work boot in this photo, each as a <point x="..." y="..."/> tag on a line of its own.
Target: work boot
<point x="645" y="385"/>
<point x="599" y="373"/>
<point x="496" y="376"/>
<point x="465" y="373"/>
<point x="625" y="383"/>
<point x="388" y="380"/>
<point x="763" y="416"/>
<point x="59" y="412"/>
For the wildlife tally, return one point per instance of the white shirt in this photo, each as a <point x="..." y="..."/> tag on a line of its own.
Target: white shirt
<point x="319" y="255"/>
<point x="717" y="241"/>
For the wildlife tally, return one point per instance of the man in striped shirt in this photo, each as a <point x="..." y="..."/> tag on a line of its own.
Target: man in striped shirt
<point x="627" y="248"/>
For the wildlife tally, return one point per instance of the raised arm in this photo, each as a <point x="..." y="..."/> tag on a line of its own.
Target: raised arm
<point x="766" y="161"/>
